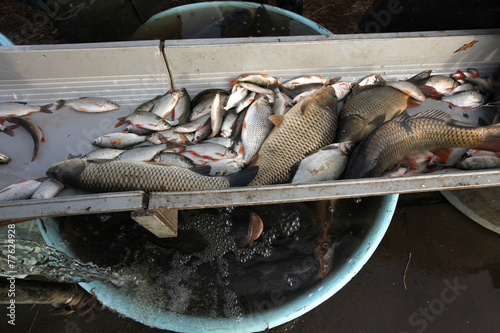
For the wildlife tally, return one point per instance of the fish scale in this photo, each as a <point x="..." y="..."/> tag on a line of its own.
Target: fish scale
<point x="130" y="176"/>
<point x="428" y="130"/>
<point x="296" y="136"/>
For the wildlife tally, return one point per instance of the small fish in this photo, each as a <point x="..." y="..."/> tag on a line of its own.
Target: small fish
<point x="342" y="89"/>
<point x="228" y="124"/>
<point x="49" y="188"/>
<point x="226" y="142"/>
<point x="173" y="159"/>
<point x="226" y="166"/>
<point x="404" y="135"/>
<point x="170" y="136"/>
<point x="465" y="99"/>
<point x="435" y="85"/>
<point x="408" y="88"/>
<point x="196" y="159"/>
<point x="166" y="103"/>
<point x="203" y="132"/>
<point x="281" y="101"/>
<point x="238" y="94"/>
<point x="142" y="154"/>
<point x="182" y="110"/>
<point x="146" y="120"/>
<point x="88" y="104"/>
<point x="19" y="109"/>
<point x="148" y="105"/>
<point x="262" y="80"/>
<point x="19" y="191"/>
<point x="479" y="162"/>
<point x="298" y="85"/>
<point x="246" y="102"/>
<point x="269" y="94"/>
<point x="327" y="163"/>
<point x="211" y="150"/>
<point x="138" y="130"/>
<point x="4" y="159"/>
<point x="118" y="140"/>
<point x="256" y="127"/>
<point x="103" y="154"/>
<point x="115" y="176"/>
<point x="216" y="115"/>
<point x="305" y="94"/>
<point x="33" y="130"/>
<point x="370" y="80"/>
<point x="9" y="130"/>
<point x="192" y="126"/>
<point x="461" y="88"/>
<point x="485" y="85"/>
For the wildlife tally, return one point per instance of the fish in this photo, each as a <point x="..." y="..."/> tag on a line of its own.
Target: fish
<point x="281" y="101"/>
<point x="19" y="191"/>
<point x="19" y="109"/>
<point x="342" y="89"/>
<point x="33" y="130"/>
<point x="236" y="135"/>
<point x="308" y="126"/>
<point x="196" y="159"/>
<point x="182" y="110"/>
<point x="217" y="113"/>
<point x="465" y="99"/>
<point x="88" y="104"/>
<point x="485" y="85"/>
<point x="118" y="140"/>
<point x="298" y="85"/>
<point x="238" y="94"/>
<point x="170" y="136"/>
<point x="369" y="108"/>
<point x="408" y="88"/>
<point x="102" y="154"/>
<point x="404" y="135"/>
<point x="306" y="93"/>
<point x="4" y="159"/>
<point x="146" y="120"/>
<point x="143" y="154"/>
<point x="228" y="124"/>
<point x="327" y="163"/>
<point x="201" y="109"/>
<point x="434" y="85"/>
<point x="478" y="162"/>
<point x="174" y="160"/>
<point x="148" y="105"/>
<point x="211" y="150"/>
<point x="268" y="93"/>
<point x="192" y="126"/>
<point x="262" y="80"/>
<point x="49" y="188"/>
<point x="138" y="130"/>
<point x="113" y="176"/>
<point x="166" y="103"/>
<point x="246" y="102"/>
<point x="9" y="130"/>
<point x="226" y="142"/>
<point x="256" y="126"/>
<point x="226" y="166"/>
<point x="203" y="132"/>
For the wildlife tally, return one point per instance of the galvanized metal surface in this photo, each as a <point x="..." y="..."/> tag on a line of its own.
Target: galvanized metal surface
<point x="320" y="191"/>
<point x="130" y="73"/>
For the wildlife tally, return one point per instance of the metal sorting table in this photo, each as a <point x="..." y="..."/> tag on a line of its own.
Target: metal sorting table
<point x="130" y="73"/>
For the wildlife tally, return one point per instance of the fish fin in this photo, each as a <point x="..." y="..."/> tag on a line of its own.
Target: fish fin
<point x="443" y="153"/>
<point x="276" y="119"/>
<point x="410" y="102"/>
<point x="122" y="121"/>
<point x="304" y="107"/>
<point x="45" y="108"/>
<point x="70" y="156"/>
<point x="377" y="121"/>
<point x="293" y="170"/>
<point x="429" y="91"/>
<point x="408" y="161"/>
<point x="60" y="104"/>
<point x="492" y="141"/>
<point x="203" y="170"/>
<point x="243" y="177"/>
<point x="2" y="121"/>
<point x="402" y="117"/>
<point x="434" y="114"/>
<point x="10" y="130"/>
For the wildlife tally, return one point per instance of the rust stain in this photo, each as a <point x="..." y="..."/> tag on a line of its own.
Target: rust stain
<point x="466" y="46"/>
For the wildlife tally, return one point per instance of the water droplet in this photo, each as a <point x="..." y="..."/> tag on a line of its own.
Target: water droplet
<point x="357" y="200"/>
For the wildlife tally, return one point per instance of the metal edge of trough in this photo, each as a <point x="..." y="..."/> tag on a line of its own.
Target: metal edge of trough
<point x="246" y="196"/>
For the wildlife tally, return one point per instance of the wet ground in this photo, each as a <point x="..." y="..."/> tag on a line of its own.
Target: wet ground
<point x="435" y="270"/>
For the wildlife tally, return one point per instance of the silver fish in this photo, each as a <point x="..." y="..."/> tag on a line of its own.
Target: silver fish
<point x="88" y="104"/>
<point x="170" y="136"/>
<point x="216" y="115"/>
<point x="145" y="120"/>
<point x="327" y="163"/>
<point x="118" y="140"/>
<point x="182" y="110"/>
<point x="174" y="160"/>
<point x="479" y="162"/>
<point x="203" y="132"/>
<point x="19" y="191"/>
<point x="137" y="130"/>
<point x="246" y="102"/>
<point x="19" y="109"/>
<point x="33" y="130"/>
<point x="141" y="154"/>
<point x="281" y="101"/>
<point x="192" y="126"/>
<point x="166" y="103"/>
<point x="226" y="166"/>
<point x="262" y="80"/>
<point x="408" y="88"/>
<point x="269" y="94"/>
<point x="465" y="99"/>
<point x="256" y="127"/>
<point x="49" y="188"/>
<point x="211" y="150"/>
<point x="238" y="94"/>
<point x="148" y="105"/>
<point x="342" y="89"/>
<point x="195" y="158"/>
<point x="226" y="142"/>
<point x="103" y="154"/>
<point x="228" y="124"/>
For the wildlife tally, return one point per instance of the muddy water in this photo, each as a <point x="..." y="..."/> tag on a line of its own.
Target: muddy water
<point x="205" y="272"/>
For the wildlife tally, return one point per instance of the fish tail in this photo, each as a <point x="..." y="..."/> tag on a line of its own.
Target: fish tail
<point x="122" y="121"/>
<point x="60" y="104"/>
<point x="243" y="177"/>
<point x="45" y="108"/>
<point x="10" y="130"/>
<point x="492" y="139"/>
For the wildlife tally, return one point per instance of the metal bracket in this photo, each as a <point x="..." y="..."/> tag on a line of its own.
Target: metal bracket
<point x="161" y="222"/>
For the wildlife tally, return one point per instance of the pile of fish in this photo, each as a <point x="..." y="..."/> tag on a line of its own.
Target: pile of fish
<point x="265" y="132"/>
